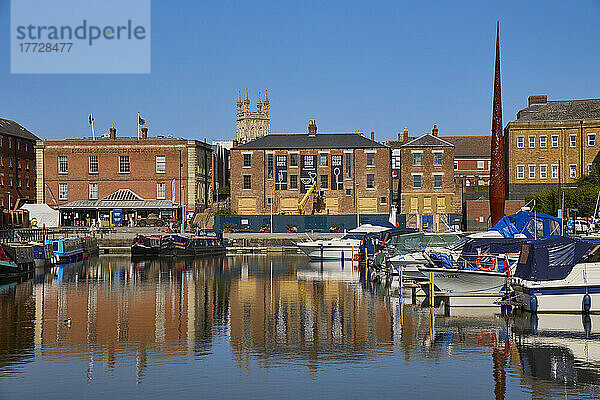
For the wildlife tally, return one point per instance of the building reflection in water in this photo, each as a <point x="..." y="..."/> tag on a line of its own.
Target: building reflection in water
<point x="270" y="311"/>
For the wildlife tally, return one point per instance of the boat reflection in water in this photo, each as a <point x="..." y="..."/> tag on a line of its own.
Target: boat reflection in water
<point x="192" y="323"/>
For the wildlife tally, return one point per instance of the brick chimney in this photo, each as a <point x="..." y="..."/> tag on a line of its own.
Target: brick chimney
<point x="312" y="127"/>
<point x="402" y="136"/>
<point x="113" y="132"/>
<point x="144" y="132"/>
<point x="235" y="142"/>
<point x="543" y="99"/>
<point x="372" y="135"/>
<point x="434" y="131"/>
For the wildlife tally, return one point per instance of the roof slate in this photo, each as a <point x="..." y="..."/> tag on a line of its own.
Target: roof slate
<point x="8" y="127"/>
<point x="561" y="110"/>
<point x="471" y="146"/>
<point x="305" y="141"/>
<point x="428" y="140"/>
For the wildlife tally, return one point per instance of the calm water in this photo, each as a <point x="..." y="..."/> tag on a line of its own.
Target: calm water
<point x="271" y="327"/>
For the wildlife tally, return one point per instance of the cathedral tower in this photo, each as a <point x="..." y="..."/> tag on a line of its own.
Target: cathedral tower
<point x="252" y="125"/>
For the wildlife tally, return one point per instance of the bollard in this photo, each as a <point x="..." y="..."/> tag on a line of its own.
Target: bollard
<point x="321" y="251"/>
<point x="401" y="281"/>
<point x="342" y="259"/>
<point x="431" y="286"/>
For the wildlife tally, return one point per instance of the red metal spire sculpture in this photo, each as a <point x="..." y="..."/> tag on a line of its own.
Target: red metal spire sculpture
<point x="497" y="189"/>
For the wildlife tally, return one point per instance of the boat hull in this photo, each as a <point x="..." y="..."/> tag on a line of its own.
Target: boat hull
<point x="557" y="299"/>
<point x="466" y="281"/>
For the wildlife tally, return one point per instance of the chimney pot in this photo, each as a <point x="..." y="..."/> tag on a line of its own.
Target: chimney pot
<point x="372" y="135"/>
<point x="312" y="127"/>
<point x="434" y="131"/>
<point x="113" y="132"/>
<point x="144" y="132"/>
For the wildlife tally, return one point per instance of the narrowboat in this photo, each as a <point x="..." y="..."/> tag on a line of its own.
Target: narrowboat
<point x="90" y="247"/>
<point x="43" y="254"/>
<point x="143" y="246"/>
<point x="16" y="259"/>
<point x="67" y="250"/>
<point x="204" y="243"/>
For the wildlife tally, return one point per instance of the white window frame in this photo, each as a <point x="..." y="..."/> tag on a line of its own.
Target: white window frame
<point x="530" y="168"/>
<point x="93" y="191"/>
<point x="543" y="141"/>
<point x="243" y="178"/>
<point x="420" y="153"/>
<point x="297" y="153"/>
<point x="554" y="142"/>
<point x="290" y="184"/>
<point x="456" y="165"/>
<point x="531" y="143"/>
<point x="543" y="171"/>
<point x="554" y="168"/>
<point x="128" y="164"/>
<point x="440" y="154"/>
<point x="63" y="191"/>
<point x="521" y="172"/>
<point x="161" y="190"/>
<point x="161" y="161"/>
<point x="90" y="164"/>
<point x="482" y="163"/>
<point x="520" y="142"/>
<point x="367" y="182"/>
<point x="573" y="171"/>
<point x="442" y="180"/>
<point x="66" y="161"/>
<point x="413" y="180"/>
<point x="244" y="154"/>
<point x="591" y="139"/>
<point x="572" y="140"/>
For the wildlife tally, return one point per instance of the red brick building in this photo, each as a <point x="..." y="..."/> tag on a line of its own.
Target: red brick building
<point x="164" y="169"/>
<point x="279" y="169"/>
<point x="17" y="165"/>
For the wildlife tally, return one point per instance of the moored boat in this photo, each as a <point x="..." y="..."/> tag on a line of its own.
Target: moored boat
<point x="203" y="243"/>
<point x="43" y="254"/>
<point x="16" y="259"/>
<point x="144" y="246"/>
<point x="559" y="275"/>
<point x="90" y="246"/>
<point x="67" y="250"/>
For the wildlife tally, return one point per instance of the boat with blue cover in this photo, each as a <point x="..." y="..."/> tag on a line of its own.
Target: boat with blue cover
<point x="480" y="262"/>
<point x="559" y="275"/>
<point x="43" y="254"/>
<point x="67" y="250"/>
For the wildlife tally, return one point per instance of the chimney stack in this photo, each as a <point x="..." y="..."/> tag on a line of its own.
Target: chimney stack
<point x="402" y="136"/>
<point x="312" y="127"/>
<point x="372" y="135"/>
<point x="113" y="132"/>
<point x="543" y="99"/>
<point x="144" y="132"/>
<point x="434" y="131"/>
<point x="235" y="142"/>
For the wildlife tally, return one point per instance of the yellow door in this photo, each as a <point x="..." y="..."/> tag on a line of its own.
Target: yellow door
<point x="289" y="205"/>
<point x="367" y="205"/>
<point x="247" y="205"/>
<point x="414" y="205"/>
<point x="441" y="204"/>
<point x="332" y="205"/>
<point x="427" y="204"/>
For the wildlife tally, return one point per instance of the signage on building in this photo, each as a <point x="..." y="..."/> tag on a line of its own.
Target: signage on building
<point x="281" y="172"/>
<point x="308" y="171"/>
<point x="337" y="166"/>
<point x="394" y="174"/>
<point x="117" y="217"/>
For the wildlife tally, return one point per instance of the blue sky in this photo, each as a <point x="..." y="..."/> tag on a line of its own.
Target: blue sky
<point x="376" y="65"/>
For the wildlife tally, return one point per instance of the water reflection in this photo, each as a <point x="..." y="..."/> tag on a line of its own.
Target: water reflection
<point x="258" y="313"/>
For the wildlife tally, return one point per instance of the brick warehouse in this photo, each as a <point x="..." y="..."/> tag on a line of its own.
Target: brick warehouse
<point x="282" y="167"/>
<point x="161" y="168"/>
<point x="17" y="165"/>
<point x="551" y="142"/>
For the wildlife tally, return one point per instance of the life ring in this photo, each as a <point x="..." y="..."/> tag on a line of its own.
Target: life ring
<point x="487" y="338"/>
<point x="481" y="267"/>
<point x="34" y="223"/>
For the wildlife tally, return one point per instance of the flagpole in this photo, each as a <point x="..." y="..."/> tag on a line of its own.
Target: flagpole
<point x="92" y="123"/>
<point x="138" y="126"/>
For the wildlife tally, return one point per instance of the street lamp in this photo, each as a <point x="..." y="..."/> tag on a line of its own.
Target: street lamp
<point x="357" y="211"/>
<point x="560" y="199"/>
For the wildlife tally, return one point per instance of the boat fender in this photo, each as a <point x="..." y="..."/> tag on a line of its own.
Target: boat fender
<point x="587" y="324"/>
<point x="481" y="267"/>
<point x="533" y="303"/>
<point x="586" y="303"/>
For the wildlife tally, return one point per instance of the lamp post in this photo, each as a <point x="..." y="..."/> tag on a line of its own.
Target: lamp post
<point x="357" y="211"/>
<point x="272" y="199"/>
<point x="560" y="199"/>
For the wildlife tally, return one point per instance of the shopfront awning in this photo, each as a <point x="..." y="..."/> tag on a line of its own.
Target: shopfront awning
<point x="121" y="199"/>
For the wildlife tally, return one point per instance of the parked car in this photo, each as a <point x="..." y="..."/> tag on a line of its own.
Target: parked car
<point x="581" y="225"/>
<point x="151" y="220"/>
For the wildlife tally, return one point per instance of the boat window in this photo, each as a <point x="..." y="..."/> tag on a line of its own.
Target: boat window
<point x="536" y="227"/>
<point x="458" y="245"/>
<point x="554" y="228"/>
<point x="561" y="255"/>
<point x="55" y="246"/>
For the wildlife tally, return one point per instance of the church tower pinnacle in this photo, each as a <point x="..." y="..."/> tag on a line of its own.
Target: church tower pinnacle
<point x="252" y="125"/>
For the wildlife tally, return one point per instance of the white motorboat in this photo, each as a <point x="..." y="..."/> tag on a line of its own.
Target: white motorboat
<point x="342" y="248"/>
<point x="559" y="275"/>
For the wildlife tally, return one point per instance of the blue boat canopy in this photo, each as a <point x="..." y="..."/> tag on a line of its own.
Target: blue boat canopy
<point x="532" y="225"/>
<point x="554" y="258"/>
